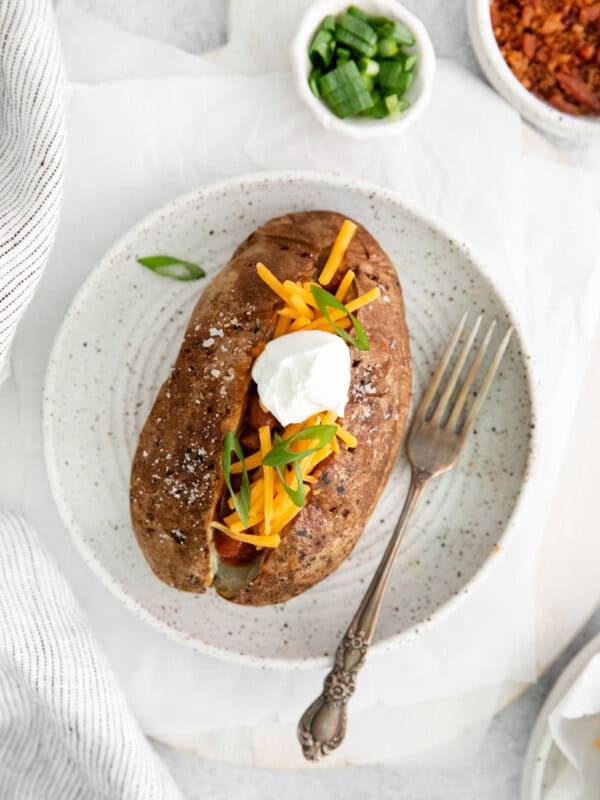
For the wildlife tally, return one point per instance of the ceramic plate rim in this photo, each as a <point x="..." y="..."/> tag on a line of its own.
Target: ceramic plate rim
<point x="540" y="740"/>
<point x="335" y="180"/>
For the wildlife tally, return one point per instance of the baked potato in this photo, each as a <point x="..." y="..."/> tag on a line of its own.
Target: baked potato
<point x="177" y="480"/>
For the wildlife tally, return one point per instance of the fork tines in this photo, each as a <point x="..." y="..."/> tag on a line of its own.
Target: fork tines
<point x="447" y="412"/>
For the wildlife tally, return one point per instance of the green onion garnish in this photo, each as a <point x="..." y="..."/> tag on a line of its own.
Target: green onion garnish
<point x="172" y="267"/>
<point x="393" y="29"/>
<point x="357" y="27"/>
<point x="322" y="48"/>
<point x="388" y="47"/>
<point x="344" y="91"/>
<point x="325" y="300"/>
<point x="241" y="500"/>
<point x="358" y="61"/>
<point x="368" y="66"/>
<point x="280" y="455"/>
<point x="328" y="23"/>
<point x="358" y="12"/>
<point x="313" y="82"/>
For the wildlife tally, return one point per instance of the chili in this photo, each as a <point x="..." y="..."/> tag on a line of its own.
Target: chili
<point x="553" y="48"/>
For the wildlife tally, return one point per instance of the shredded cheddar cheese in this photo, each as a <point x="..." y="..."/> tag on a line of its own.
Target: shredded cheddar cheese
<point x="346" y="437"/>
<point x="253" y="461"/>
<point x="271" y="508"/>
<point x="338" y="251"/>
<point x="264" y="434"/>
<point x="251" y="538"/>
<point x="267" y="276"/>
<point x="281" y="328"/>
<point x="345" y="284"/>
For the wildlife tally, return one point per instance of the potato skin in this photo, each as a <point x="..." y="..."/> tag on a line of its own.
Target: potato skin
<point x="176" y="479"/>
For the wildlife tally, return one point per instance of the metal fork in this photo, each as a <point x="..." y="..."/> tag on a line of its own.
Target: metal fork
<point x="436" y="438"/>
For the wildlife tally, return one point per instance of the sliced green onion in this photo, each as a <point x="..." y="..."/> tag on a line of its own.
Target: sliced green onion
<point x="280" y="454"/>
<point x="313" y="82"/>
<point x="241" y="501"/>
<point x="357" y="12"/>
<point x="390" y="73"/>
<point x="342" y="54"/>
<point x="377" y="22"/>
<point x="395" y="105"/>
<point x="387" y="28"/>
<point x="368" y="66"/>
<point x="404" y="84"/>
<point x="325" y="300"/>
<point x="343" y="90"/>
<point x="349" y="39"/>
<point x="358" y="27"/>
<point x="379" y="110"/>
<point x="171" y="267"/>
<point x="368" y="83"/>
<point x="410" y="62"/>
<point x="388" y="47"/>
<point x="321" y="49"/>
<point x="295" y="495"/>
<point x="328" y="23"/>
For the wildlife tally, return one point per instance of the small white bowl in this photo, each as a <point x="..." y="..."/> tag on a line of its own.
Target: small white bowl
<point x="508" y="85"/>
<point x="418" y="94"/>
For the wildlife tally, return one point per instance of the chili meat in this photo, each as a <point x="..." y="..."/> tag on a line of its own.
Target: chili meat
<point x="553" y="48"/>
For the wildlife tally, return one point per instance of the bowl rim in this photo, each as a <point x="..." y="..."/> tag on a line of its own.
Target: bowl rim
<point x="361" y="129"/>
<point x="51" y="389"/>
<point x="508" y="85"/>
<point x="541" y="743"/>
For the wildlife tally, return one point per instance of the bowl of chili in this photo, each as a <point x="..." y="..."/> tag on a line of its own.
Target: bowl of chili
<point x="543" y="56"/>
<point x="363" y="88"/>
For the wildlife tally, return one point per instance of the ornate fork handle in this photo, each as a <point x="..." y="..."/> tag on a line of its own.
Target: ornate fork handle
<point x="322" y="727"/>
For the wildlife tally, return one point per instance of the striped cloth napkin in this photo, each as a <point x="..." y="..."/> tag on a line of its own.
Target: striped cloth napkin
<point x="65" y="731"/>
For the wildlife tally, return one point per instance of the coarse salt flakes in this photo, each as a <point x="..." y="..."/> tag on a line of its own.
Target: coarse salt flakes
<point x="208" y="342"/>
<point x="215" y="373"/>
<point x="216" y="332"/>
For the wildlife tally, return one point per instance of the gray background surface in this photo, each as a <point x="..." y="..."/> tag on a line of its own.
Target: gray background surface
<point x="494" y="772"/>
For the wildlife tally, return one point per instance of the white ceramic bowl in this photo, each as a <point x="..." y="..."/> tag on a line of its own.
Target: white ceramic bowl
<point x="507" y="84"/>
<point x="418" y="94"/>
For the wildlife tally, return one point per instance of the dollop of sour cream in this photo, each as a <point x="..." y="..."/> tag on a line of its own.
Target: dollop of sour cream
<point x="303" y="373"/>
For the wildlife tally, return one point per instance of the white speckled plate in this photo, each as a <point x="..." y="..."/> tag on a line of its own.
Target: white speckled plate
<point x="544" y="762"/>
<point x="118" y="342"/>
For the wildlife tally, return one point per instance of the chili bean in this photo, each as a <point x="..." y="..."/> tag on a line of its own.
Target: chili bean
<point x="232" y="552"/>
<point x="257" y="416"/>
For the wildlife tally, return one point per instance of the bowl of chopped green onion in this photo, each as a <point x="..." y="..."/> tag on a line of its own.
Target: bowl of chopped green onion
<point x="365" y="70"/>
